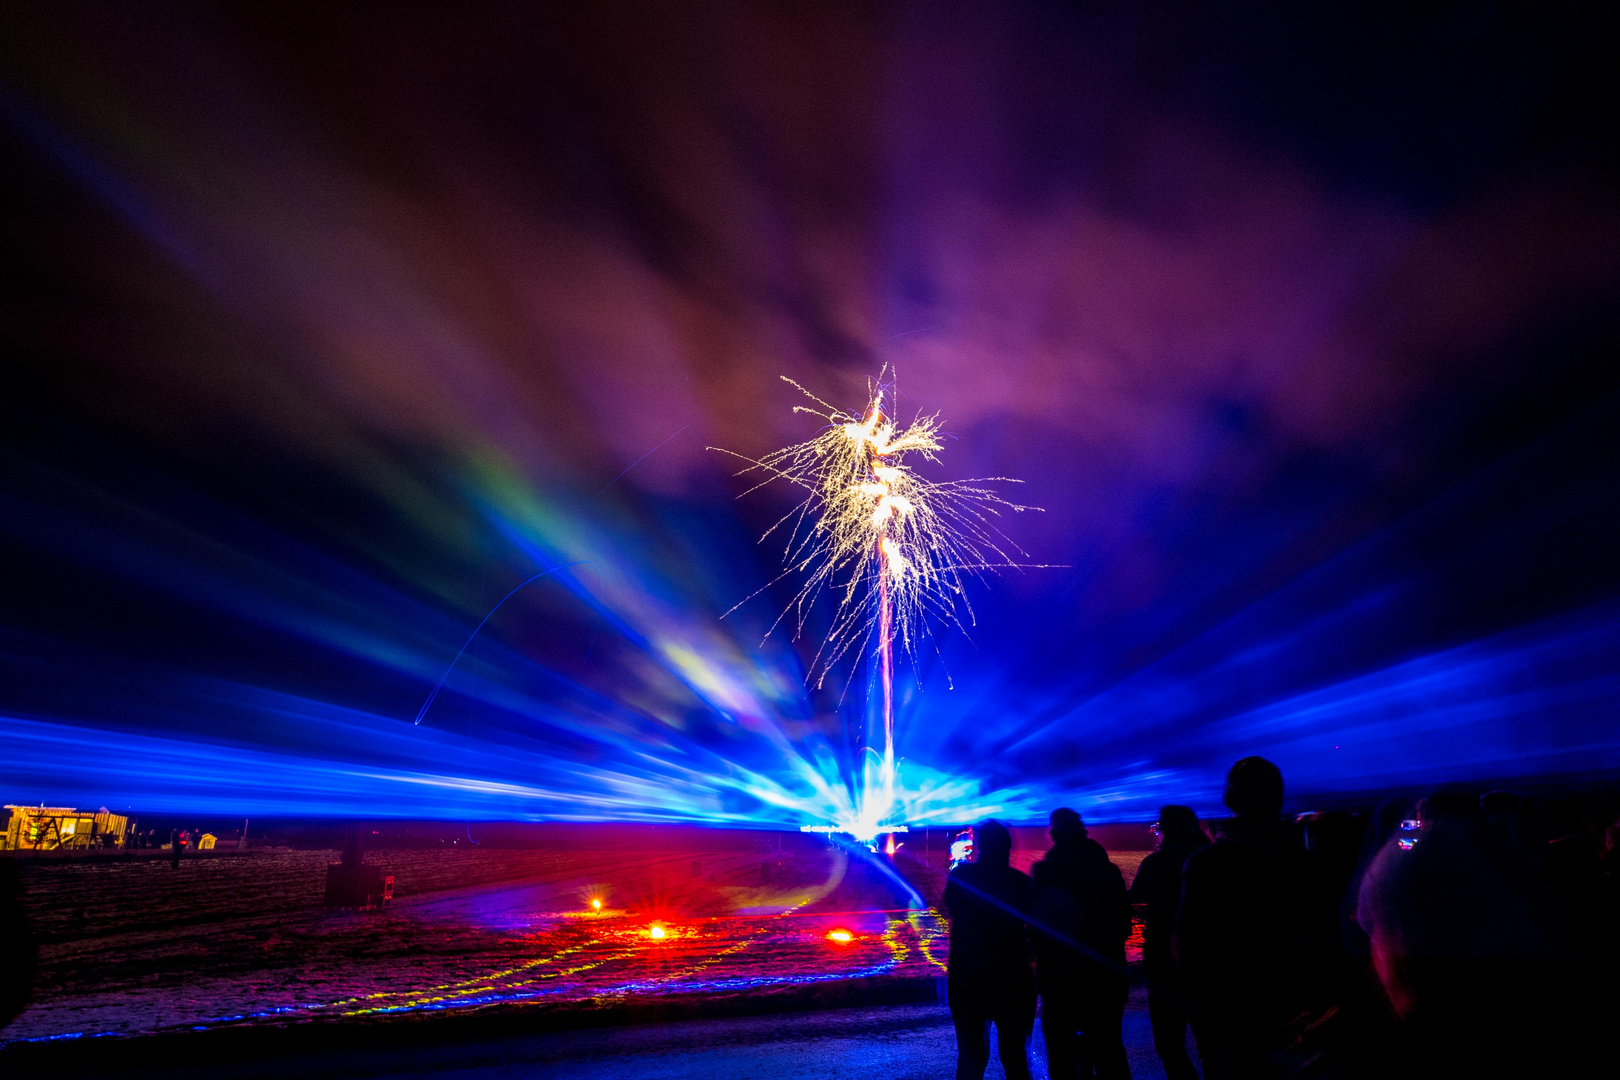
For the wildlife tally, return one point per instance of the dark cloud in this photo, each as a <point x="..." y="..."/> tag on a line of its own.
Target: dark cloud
<point x="1236" y="295"/>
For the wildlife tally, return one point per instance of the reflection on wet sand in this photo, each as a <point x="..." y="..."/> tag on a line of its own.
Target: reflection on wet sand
<point x="135" y="946"/>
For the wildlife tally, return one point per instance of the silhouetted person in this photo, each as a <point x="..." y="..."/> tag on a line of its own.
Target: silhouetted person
<point x="1607" y="943"/>
<point x="174" y="848"/>
<point x="1334" y="839"/>
<point x="1158" y="885"/>
<point x="1255" y="934"/>
<point x="1458" y="949"/>
<point x="18" y="955"/>
<point x="1384" y="823"/>
<point x="1082" y="918"/>
<point x="989" y="978"/>
<point x="1573" y="899"/>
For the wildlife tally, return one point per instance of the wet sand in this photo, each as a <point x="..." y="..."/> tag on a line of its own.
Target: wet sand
<point x="903" y="1042"/>
<point x="135" y="946"/>
<point x="481" y="945"/>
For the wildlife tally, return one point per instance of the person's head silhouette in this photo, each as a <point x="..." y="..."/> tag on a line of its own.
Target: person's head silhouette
<point x="1447" y="805"/>
<point x="1177" y="823"/>
<point x="993" y="842"/>
<point x="1066" y="827"/>
<point x="1254" y="789"/>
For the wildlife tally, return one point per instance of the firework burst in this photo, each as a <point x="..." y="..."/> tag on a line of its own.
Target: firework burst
<point x="891" y="547"/>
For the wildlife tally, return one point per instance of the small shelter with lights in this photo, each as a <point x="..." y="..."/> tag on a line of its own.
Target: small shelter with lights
<point x="62" y="828"/>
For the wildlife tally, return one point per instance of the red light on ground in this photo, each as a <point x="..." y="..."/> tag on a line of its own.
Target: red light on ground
<point x="656" y="933"/>
<point x="842" y="937"/>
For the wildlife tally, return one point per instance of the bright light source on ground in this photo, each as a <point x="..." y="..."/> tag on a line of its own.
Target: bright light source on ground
<point x="656" y="933"/>
<point x="842" y="937"/>
<point x="596" y="905"/>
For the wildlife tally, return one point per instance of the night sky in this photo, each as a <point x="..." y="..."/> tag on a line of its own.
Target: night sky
<point x="324" y="330"/>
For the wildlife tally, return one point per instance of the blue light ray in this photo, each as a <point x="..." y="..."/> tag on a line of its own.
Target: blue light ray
<point x="428" y="704"/>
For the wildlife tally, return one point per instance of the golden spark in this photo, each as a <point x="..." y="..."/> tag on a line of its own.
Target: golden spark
<point x="870" y="527"/>
<point x="892" y="547"/>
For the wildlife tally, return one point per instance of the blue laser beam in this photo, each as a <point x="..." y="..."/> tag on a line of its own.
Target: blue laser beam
<point x="434" y="693"/>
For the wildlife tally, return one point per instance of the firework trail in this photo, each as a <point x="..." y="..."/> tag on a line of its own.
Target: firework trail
<point x="890" y="546"/>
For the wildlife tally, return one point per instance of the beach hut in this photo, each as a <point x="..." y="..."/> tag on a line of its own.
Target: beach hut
<point x="62" y="828"/>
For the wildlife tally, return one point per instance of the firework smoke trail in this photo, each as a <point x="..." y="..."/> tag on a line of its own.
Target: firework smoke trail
<point x="873" y="533"/>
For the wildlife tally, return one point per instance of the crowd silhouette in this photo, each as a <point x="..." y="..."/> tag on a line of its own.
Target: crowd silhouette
<point x="1457" y="934"/>
<point x="1453" y="935"/>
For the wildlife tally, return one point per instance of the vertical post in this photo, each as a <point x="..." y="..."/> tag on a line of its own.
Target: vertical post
<point x="352" y="849"/>
<point x="886" y="661"/>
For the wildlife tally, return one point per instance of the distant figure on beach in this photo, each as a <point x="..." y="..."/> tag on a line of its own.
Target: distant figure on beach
<point x="989" y="978"/>
<point x="1082" y="918"/>
<point x="174" y="848"/>
<point x="1158" y="885"/>
<point x="1255" y="934"/>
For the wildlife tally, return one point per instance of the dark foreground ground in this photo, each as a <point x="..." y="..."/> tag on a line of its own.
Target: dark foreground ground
<point x="494" y="962"/>
<point x="897" y="1042"/>
<point x="136" y="947"/>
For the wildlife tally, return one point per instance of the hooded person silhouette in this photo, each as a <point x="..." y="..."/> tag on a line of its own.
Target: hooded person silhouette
<point x="989" y="979"/>
<point x="1082" y="918"/>
<point x="1256" y="933"/>
<point x="1158" y="885"/>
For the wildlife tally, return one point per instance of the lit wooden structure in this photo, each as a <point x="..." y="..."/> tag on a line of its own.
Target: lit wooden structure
<point x="62" y="828"/>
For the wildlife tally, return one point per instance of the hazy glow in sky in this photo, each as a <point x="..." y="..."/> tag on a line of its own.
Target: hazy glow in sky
<point x="331" y="333"/>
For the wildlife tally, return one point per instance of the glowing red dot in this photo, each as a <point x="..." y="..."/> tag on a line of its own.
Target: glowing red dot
<point x="842" y="937"/>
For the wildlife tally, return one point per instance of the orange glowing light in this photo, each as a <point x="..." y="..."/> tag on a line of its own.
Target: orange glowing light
<point x="656" y="933"/>
<point x="843" y="937"/>
<point x="596" y="905"/>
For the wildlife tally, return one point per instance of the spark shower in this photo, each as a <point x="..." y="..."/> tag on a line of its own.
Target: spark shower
<point x="891" y="546"/>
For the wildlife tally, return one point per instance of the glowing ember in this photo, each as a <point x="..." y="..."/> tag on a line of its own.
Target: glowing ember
<point x="842" y="937"/>
<point x="656" y="933"/>
<point x="596" y="905"/>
